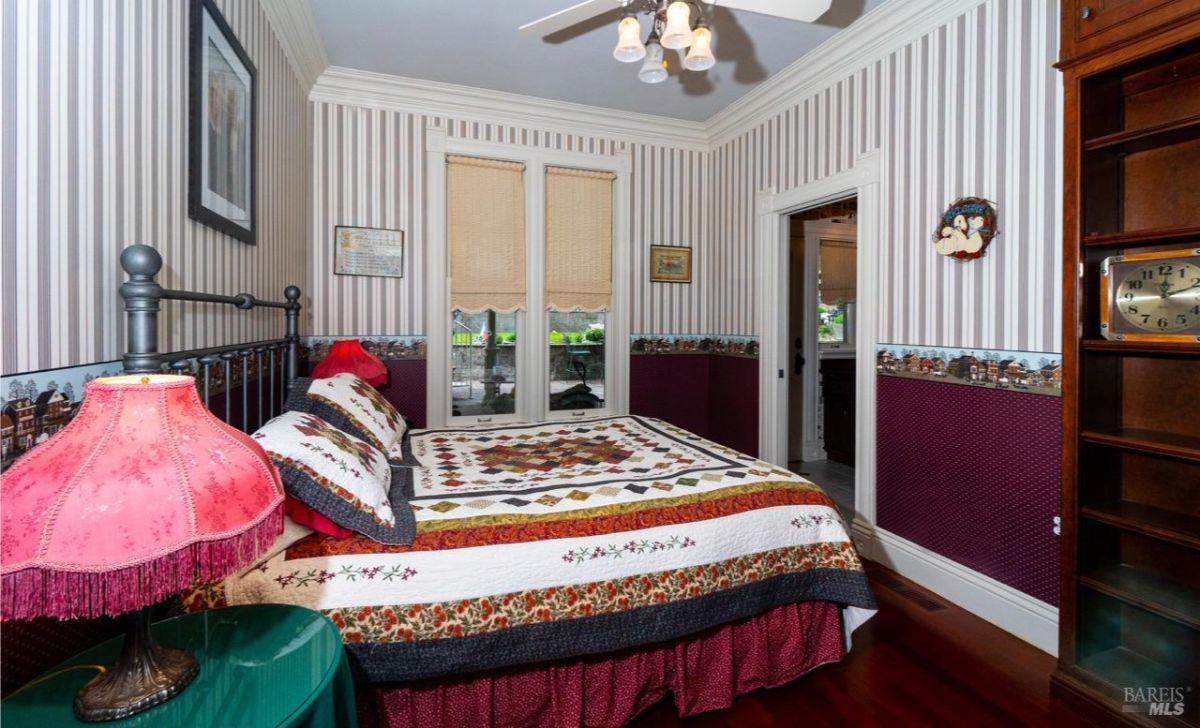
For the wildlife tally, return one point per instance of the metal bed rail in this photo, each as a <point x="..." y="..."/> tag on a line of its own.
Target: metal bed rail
<point x="221" y="368"/>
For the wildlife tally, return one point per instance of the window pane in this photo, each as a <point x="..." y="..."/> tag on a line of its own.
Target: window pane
<point x="576" y="360"/>
<point x="483" y="363"/>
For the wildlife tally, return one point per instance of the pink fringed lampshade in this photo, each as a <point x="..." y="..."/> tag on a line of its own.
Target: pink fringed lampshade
<point x="348" y="355"/>
<point x="143" y="495"/>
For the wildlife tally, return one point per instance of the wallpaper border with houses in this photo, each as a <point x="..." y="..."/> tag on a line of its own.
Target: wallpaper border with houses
<point x="1029" y="372"/>
<point x="35" y="405"/>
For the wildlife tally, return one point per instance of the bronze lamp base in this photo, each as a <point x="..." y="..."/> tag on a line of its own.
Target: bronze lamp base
<point x="145" y="675"/>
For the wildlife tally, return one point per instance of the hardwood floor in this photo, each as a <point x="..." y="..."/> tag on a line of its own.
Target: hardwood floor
<point x="920" y="661"/>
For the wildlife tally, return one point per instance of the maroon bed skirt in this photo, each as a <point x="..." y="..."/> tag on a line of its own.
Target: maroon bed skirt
<point x="704" y="672"/>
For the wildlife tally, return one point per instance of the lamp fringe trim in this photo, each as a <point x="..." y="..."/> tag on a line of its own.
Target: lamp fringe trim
<point x="37" y="592"/>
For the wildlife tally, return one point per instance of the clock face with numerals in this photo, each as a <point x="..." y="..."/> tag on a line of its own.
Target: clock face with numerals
<point x="1161" y="296"/>
<point x="1152" y="296"/>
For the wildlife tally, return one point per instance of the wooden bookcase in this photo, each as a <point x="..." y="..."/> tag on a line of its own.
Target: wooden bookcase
<point x="1130" y="606"/>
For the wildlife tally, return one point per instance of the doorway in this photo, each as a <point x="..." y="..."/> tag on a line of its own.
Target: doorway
<point x="822" y="301"/>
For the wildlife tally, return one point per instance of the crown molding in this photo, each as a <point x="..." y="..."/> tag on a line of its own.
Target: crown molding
<point x="296" y="30"/>
<point x="341" y="85"/>
<point x="885" y="29"/>
<point x="882" y="31"/>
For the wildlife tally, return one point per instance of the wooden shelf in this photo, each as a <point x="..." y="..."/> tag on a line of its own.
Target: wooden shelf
<point x="1147" y="236"/>
<point x="1147" y="441"/>
<point x="1147" y="591"/>
<point x="1122" y="667"/>
<point x="1140" y="347"/>
<point x="1151" y="137"/>
<point x="1148" y="520"/>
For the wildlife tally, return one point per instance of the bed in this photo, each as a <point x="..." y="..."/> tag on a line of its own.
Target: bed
<point x="566" y="573"/>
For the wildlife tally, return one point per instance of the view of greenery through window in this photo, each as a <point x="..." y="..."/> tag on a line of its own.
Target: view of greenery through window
<point x="484" y="361"/>
<point x="832" y="328"/>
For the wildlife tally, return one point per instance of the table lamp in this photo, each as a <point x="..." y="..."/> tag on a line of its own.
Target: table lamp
<point x="348" y="355"/>
<point x="144" y="494"/>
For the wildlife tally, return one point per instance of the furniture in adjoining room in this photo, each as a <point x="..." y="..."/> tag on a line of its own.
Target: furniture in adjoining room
<point x="1130" y="612"/>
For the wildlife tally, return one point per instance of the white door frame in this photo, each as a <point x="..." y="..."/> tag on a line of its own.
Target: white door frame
<point x="774" y="209"/>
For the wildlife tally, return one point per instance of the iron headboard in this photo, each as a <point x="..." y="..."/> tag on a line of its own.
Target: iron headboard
<point x="142" y="295"/>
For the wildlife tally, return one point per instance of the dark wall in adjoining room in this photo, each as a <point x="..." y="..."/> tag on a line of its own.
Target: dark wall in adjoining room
<point x="972" y="473"/>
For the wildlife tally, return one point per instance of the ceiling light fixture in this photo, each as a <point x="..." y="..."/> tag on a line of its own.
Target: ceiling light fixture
<point x="629" y="40"/>
<point x="670" y="27"/>
<point x="654" y="68"/>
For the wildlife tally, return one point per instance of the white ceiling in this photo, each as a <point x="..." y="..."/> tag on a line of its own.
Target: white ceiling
<point x="476" y="43"/>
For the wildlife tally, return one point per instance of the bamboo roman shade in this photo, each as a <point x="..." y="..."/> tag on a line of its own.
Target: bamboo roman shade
<point x="579" y="234"/>
<point x="838" y="272"/>
<point x="486" y="211"/>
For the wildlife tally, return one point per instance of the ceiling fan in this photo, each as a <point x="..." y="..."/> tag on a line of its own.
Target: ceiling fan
<point x="674" y="24"/>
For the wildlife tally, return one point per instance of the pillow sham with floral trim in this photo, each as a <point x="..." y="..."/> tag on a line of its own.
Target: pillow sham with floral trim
<point x="353" y="406"/>
<point x="344" y="478"/>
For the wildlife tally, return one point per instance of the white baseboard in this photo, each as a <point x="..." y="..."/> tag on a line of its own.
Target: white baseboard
<point x="1031" y="619"/>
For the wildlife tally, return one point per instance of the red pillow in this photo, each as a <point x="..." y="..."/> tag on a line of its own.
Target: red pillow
<point x="305" y="516"/>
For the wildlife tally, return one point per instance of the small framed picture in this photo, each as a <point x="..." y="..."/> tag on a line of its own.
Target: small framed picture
<point x="221" y="138"/>
<point x="670" y="264"/>
<point x="362" y="251"/>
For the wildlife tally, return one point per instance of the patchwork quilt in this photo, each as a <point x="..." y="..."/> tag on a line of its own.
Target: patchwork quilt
<point x="556" y="540"/>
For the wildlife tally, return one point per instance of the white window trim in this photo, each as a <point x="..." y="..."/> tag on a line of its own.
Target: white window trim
<point x="533" y="402"/>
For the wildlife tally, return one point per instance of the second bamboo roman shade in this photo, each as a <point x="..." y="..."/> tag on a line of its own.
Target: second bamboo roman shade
<point x="486" y="211"/>
<point x="579" y="227"/>
<point x="839" y="270"/>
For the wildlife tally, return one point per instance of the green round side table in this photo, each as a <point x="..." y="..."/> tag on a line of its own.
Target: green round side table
<point x="260" y="665"/>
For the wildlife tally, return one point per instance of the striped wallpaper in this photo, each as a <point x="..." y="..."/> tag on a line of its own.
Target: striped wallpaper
<point x="95" y="159"/>
<point x="969" y="109"/>
<point x="368" y="170"/>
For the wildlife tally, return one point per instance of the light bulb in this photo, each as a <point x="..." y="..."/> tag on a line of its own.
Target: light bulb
<point x="700" y="56"/>
<point x="679" y="30"/>
<point x="653" y="70"/>
<point x="629" y="41"/>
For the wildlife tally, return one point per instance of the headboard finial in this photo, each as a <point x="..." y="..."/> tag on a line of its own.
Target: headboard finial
<point x="141" y="294"/>
<point x="292" y="293"/>
<point x="141" y="261"/>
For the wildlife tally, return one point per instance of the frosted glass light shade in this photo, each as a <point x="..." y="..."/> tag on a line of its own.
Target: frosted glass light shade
<point x="700" y="56"/>
<point x="679" y="30"/>
<point x="653" y="70"/>
<point x="629" y="41"/>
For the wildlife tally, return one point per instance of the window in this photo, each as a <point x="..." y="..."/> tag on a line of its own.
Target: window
<point x="487" y="282"/>
<point x="836" y="288"/>
<point x="579" y="243"/>
<point x="528" y="306"/>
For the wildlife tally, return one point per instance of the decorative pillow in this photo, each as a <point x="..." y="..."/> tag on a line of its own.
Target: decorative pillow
<point x="351" y="405"/>
<point x="343" y="478"/>
<point x="305" y="516"/>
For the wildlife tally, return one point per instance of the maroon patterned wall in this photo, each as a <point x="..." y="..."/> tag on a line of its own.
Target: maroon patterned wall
<point x="713" y="395"/>
<point x="972" y="473"/>
<point x="733" y="402"/>
<point x="671" y="387"/>
<point x="405" y="388"/>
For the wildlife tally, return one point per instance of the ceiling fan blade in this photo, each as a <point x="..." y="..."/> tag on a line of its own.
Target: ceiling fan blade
<point x="567" y="17"/>
<point x="803" y="10"/>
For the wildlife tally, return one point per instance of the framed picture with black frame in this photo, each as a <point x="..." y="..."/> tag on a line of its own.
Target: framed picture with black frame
<point x="221" y="126"/>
